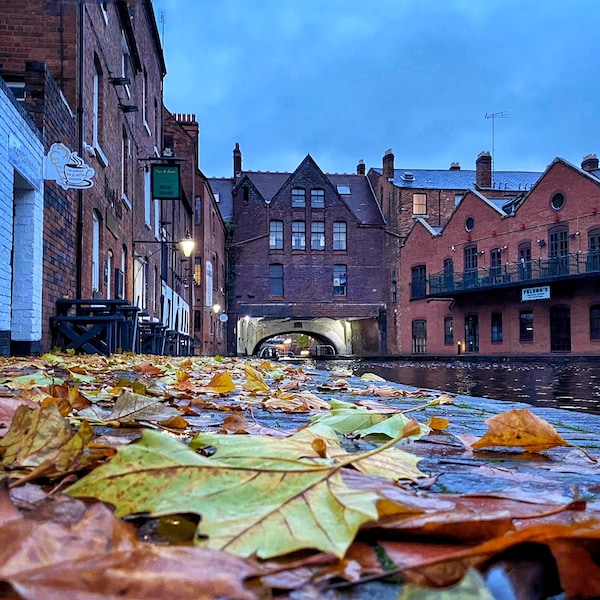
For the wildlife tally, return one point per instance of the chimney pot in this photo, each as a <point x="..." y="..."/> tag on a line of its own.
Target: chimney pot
<point x="237" y="160"/>
<point x="360" y="168"/>
<point x="590" y="162"/>
<point x="454" y="166"/>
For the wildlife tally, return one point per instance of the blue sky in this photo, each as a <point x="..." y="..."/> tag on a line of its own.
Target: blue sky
<point x="344" y="80"/>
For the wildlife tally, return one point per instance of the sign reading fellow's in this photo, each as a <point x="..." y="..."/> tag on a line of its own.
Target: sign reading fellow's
<point x="165" y="182"/>
<point x="541" y="292"/>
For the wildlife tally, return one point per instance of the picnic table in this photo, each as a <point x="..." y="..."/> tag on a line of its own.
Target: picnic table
<point x="95" y="326"/>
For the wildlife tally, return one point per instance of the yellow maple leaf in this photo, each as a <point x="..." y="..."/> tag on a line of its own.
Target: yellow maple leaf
<point x="221" y="383"/>
<point x="255" y="382"/>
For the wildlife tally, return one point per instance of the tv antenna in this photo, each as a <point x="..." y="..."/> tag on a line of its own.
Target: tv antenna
<point x="493" y="117"/>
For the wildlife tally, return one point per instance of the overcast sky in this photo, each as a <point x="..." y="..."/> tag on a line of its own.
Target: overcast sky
<point x="344" y="80"/>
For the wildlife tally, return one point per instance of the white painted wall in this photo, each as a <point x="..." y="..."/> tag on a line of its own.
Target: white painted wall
<point x="21" y="194"/>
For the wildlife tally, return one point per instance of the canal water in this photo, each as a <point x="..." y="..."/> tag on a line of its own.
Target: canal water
<point x="567" y="384"/>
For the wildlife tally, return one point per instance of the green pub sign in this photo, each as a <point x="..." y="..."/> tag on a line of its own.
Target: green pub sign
<point x="165" y="182"/>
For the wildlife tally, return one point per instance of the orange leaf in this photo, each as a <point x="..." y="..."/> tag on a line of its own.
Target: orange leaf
<point x="255" y="382"/>
<point x="438" y="423"/>
<point x="520" y="427"/>
<point x="221" y="383"/>
<point x="148" y="368"/>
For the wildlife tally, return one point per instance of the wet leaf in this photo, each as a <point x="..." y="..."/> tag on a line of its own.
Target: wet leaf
<point x="130" y="406"/>
<point x="371" y="377"/>
<point x="266" y="507"/>
<point x="38" y="436"/>
<point x="438" y="423"/>
<point x="520" y="427"/>
<point x="255" y="382"/>
<point x="221" y="383"/>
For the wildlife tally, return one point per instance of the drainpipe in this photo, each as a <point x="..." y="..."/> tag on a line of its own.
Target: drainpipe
<point x="79" y="231"/>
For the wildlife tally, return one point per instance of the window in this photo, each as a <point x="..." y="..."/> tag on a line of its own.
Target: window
<point x="524" y="252"/>
<point x="558" y="251"/>
<point x="197" y="321"/>
<point x="419" y="206"/>
<point x="470" y="273"/>
<point x="317" y="235"/>
<point x="470" y="224"/>
<point x="197" y="210"/>
<point x="317" y="198"/>
<point x="595" y="322"/>
<point x="97" y="105"/>
<point x="197" y="270"/>
<point x="298" y="198"/>
<point x="95" y="251"/>
<point x="558" y="201"/>
<point x="560" y="329"/>
<point x="276" y="280"/>
<point x="394" y="291"/>
<point x="339" y="280"/>
<point x="526" y="326"/>
<point x="496" y="327"/>
<point x="418" y="283"/>
<point x="593" y="257"/>
<point x="276" y="235"/>
<point x="448" y="330"/>
<point x="495" y="264"/>
<point x="145" y="96"/>
<point x="448" y="275"/>
<point x="339" y="235"/>
<point x="125" y="156"/>
<point x="298" y="235"/>
<point x="208" y="286"/>
<point x="108" y="267"/>
<point x="419" y="336"/>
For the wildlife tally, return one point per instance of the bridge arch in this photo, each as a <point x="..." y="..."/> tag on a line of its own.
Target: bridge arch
<point x="252" y="332"/>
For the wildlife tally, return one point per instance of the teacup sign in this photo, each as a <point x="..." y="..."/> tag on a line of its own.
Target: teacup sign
<point x="67" y="168"/>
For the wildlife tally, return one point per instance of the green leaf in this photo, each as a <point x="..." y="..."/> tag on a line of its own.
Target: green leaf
<point x="246" y="508"/>
<point x="345" y="417"/>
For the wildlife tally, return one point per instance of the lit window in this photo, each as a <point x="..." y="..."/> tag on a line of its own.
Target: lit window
<point x="339" y="235"/>
<point x="276" y="235"/>
<point x="339" y="280"/>
<point x="448" y="330"/>
<point x="298" y="235"/>
<point x="298" y="198"/>
<point x="419" y="204"/>
<point x="317" y="235"/>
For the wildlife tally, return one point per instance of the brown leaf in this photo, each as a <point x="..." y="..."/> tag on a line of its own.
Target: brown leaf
<point x="520" y="427"/>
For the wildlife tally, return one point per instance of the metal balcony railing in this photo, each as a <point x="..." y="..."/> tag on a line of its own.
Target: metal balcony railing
<point x="520" y="273"/>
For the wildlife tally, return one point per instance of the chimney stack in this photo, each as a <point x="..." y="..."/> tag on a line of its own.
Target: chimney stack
<point x="454" y="166"/>
<point x="360" y="168"/>
<point x="388" y="164"/>
<point x="237" y="161"/>
<point x="590" y="162"/>
<point x="483" y="177"/>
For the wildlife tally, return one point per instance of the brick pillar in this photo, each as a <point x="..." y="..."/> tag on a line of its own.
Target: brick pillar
<point x="590" y="162"/>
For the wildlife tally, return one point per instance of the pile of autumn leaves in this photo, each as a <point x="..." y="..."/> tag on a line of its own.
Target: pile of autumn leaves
<point x="100" y="454"/>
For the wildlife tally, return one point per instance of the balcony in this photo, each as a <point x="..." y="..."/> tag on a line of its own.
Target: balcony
<point x="561" y="268"/>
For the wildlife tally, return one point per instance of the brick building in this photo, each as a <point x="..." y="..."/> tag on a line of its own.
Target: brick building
<point x="305" y="256"/>
<point x="430" y="196"/>
<point x="505" y="276"/>
<point x="91" y="75"/>
<point x="204" y="273"/>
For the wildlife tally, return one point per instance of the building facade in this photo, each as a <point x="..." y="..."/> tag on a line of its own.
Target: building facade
<point x="91" y="76"/>
<point x="305" y="256"/>
<point x="431" y="196"/>
<point x="508" y="278"/>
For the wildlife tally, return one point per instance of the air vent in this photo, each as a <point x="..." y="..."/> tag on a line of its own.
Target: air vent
<point x="408" y="176"/>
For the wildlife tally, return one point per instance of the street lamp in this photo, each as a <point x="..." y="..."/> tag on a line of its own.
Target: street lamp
<point x="186" y="245"/>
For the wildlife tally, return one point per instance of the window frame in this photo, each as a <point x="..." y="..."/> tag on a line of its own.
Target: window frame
<point x="299" y="235"/>
<point x="419" y="336"/>
<point x="340" y="277"/>
<point x="419" y="203"/>
<point x="340" y="236"/>
<point x="526" y="325"/>
<point x="496" y="327"/>
<point x="317" y="198"/>
<point x="449" y="331"/>
<point x="276" y="233"/>
<point x="298" y="198"/>
<point x="276" y="280"/>
<point x="317" y="236"/>
<point x="595" y="322"/>
<point x="418" y="282"/>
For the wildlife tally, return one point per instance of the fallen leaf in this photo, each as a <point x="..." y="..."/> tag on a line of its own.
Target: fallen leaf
<point x="221" y="383"/>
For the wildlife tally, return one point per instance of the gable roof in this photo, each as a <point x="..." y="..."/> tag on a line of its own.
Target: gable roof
<point x="460" y="179"/>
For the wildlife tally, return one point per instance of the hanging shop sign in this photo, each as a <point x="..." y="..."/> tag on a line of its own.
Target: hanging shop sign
<point x="542" y="292"/>
<point x="67" y="168"/>
<point x="165" y="182"/>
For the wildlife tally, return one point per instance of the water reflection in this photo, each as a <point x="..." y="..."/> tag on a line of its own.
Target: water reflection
<point x="573" y="385"/>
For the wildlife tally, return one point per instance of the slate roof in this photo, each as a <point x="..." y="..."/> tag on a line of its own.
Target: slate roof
<point x="361" y="200"/>
<point x="461" y="179"/>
